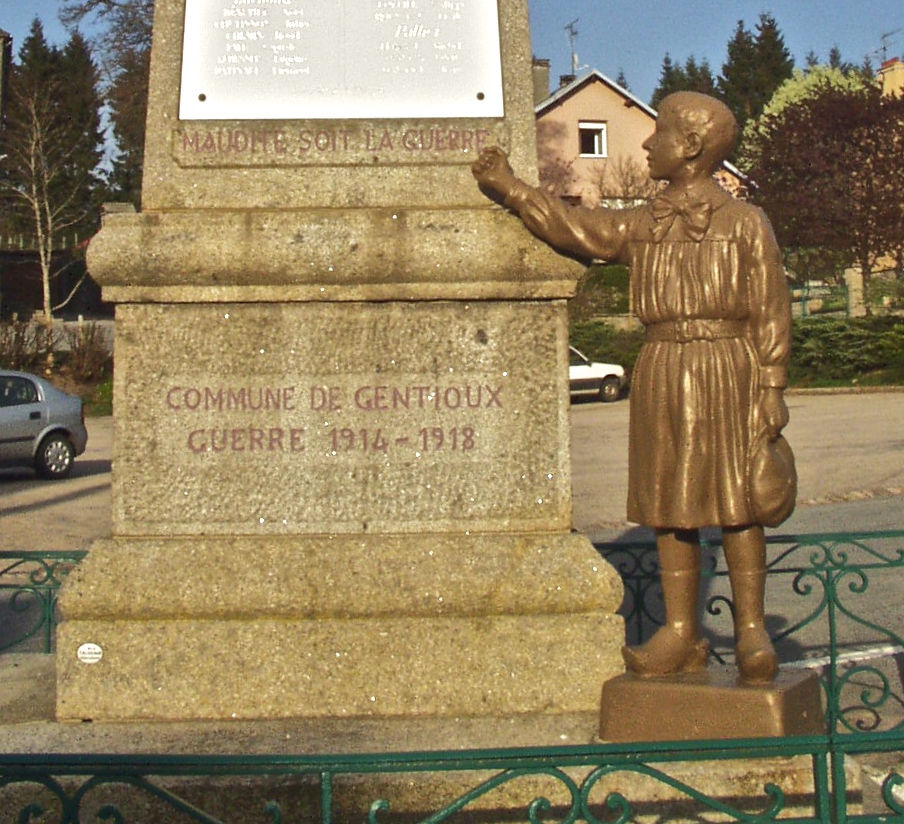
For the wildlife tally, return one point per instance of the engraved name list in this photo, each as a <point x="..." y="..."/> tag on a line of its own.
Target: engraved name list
<point x="299" y="59"/>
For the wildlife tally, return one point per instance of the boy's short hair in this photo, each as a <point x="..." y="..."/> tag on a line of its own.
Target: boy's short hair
<point x="710" y="118"/>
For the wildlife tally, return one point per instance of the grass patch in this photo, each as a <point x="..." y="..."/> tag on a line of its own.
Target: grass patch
<point x="99" y="399"/>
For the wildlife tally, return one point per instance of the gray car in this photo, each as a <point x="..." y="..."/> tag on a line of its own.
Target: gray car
<point x="40" y="426"/>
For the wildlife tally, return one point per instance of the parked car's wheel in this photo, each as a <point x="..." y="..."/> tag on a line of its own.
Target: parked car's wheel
<point x="55" y="456"/>
<point x="610" y="390"/>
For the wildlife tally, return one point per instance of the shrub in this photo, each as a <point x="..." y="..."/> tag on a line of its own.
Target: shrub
<point x="825" y="351"/>
<point x="832" y="351"/>
<point x="88" y="354"/>
<point x="23" y="345"/>
<point x="602" y="342"/>
<point x="603" y="290"/>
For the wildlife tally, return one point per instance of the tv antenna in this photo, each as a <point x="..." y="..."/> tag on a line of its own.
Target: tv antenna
<point x="882" y="51"/>
<point x="571" y="28"/>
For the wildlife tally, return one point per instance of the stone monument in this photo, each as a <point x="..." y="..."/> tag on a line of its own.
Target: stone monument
<point x="341" y="481"/>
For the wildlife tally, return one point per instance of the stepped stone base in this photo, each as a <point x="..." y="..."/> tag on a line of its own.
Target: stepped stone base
<point x="343" y="626"/>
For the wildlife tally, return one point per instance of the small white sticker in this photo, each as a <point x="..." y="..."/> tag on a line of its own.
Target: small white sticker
<point x="89" y="653"/>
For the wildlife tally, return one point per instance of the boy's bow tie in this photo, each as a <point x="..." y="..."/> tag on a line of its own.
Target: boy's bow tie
<point x="695" y="217"/>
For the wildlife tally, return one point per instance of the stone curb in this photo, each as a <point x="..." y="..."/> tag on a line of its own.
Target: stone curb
<point x="844" y="390"/>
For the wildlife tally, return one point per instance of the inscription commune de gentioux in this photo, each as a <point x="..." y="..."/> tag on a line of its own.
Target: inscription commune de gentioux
<point x="368" y="418"/>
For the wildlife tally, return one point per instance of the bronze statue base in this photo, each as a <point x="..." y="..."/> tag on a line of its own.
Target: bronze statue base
<point x="709" y="704"/>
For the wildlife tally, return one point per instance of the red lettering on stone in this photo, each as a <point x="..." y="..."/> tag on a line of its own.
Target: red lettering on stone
<point x="239" y="137"/>
<point x="325" y="398"/>
<point x="255" y="439"/>
<point x="196" y="441"/>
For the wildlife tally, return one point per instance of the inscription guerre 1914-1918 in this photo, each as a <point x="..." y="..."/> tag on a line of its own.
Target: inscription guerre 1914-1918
<point x="371" y="425"/>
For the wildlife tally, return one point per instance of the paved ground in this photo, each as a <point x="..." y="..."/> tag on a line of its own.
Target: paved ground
<point x="849" y="449"/>
<point x="69" y="514"/>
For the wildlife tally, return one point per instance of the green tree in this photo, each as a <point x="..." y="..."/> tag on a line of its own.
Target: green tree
<point x="801" y="86"/>
<point x="691" y="77"/>
<point x="671" y="79"/>
<point x="774" y="61"/>
<point x="829" y="168"/>
<point x="128" y="98"/>
<point x="699" y="76"/>
<point x="737" y="80"/>
<point x="51" y="147"/>
<point x="756" y="65"/>
<point x="124" y="42"/>
<point x="890" y="170"/>
<point x="80" y="104"/>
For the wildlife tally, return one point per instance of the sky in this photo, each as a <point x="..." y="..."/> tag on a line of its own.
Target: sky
<point x="633" y="36"/>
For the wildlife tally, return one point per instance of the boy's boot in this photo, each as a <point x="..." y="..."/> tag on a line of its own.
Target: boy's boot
<point x="745" y="554"/>
<point x="676" y="646"/>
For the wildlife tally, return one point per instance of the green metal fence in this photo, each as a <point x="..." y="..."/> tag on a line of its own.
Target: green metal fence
<point x="835" y="604"/>
<point x="29" y="583"/>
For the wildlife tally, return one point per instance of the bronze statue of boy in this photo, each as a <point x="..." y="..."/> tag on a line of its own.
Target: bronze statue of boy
<point x="707" y="389"/>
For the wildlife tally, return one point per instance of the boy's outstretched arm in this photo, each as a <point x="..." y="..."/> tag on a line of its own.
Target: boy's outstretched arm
<point x="597" y="234"/>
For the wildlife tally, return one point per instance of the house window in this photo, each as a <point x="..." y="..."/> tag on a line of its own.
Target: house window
<point x="593" y="138"/>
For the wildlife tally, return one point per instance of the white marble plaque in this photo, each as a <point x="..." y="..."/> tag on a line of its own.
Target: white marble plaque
<point x="340" y="59"/>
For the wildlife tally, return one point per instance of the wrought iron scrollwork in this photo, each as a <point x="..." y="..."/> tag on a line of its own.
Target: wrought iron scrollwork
<point x="29" y="582"/>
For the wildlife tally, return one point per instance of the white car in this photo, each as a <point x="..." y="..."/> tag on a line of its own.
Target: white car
<point x="40" y="426"/>
<point x="606" y="380"/>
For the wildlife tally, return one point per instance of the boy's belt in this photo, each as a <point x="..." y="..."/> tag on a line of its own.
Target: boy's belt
<point x="682" y="331"/>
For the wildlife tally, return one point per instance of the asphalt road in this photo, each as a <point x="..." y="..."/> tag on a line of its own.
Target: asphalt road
<point x="69" y="514"/>
<point x="850" y="458"/>
<point x="849" y="450"/>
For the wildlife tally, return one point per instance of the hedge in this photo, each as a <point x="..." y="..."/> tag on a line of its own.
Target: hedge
<point x="825" y="351"/>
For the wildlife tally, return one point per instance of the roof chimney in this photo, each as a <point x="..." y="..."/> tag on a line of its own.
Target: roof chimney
<point x="540" y="74"/>
<point x="891" y="76"/>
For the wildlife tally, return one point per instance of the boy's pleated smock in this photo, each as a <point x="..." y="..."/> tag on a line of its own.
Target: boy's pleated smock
<point x="708" y="286"/>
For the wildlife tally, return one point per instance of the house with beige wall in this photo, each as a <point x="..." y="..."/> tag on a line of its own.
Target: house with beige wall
<point x="891" y="76"/>
<point x="590" y="133"/>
